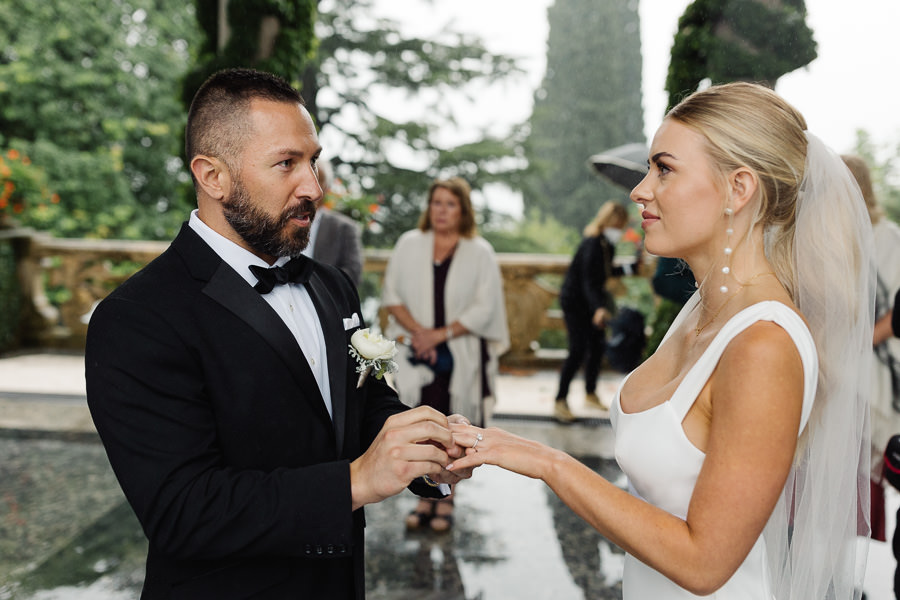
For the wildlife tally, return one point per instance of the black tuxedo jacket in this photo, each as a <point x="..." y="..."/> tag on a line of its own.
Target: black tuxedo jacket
<point x="219" y="436"/>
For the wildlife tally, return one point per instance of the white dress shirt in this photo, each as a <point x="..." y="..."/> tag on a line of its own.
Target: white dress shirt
<point x="291" y="301"/>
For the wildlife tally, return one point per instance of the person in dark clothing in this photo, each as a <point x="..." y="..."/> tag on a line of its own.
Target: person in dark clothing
<point x="231" y="410"/>
<point x="895" y="317"/>
<point x="587" y="305"/>
<point x="673" y="283"/>
<point x="673" y="280"/>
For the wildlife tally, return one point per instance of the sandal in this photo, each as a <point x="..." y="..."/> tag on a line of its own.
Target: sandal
<point x="417" y="519"/>
<point x="442" y="523"/>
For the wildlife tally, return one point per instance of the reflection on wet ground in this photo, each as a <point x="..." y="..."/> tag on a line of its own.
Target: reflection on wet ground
<point x="64" y="523"/>
<point x="67" y="534"/>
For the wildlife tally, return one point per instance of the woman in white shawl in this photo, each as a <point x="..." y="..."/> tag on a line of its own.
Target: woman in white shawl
<point x="444" y="296"/>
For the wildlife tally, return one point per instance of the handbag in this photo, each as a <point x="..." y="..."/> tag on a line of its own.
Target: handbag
<point x="892" y="461"/>
<point x="442" y="366"/>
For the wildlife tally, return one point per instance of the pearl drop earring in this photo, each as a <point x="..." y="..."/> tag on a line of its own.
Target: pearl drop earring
<point x="729" y="214"/>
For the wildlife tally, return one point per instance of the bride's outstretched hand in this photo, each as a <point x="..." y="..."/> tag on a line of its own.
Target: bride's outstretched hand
<point x="493" y="446"/>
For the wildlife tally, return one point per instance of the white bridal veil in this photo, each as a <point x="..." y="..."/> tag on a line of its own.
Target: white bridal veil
<point x="816" y="539"/>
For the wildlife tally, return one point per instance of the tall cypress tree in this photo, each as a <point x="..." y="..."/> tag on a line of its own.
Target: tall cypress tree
<point x="589" y="101"/>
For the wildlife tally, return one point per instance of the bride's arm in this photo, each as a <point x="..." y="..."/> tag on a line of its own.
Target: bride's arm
<point x="757" y="392"/>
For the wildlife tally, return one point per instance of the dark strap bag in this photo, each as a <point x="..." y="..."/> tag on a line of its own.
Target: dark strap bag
<point x="892" y="461"/>
<point x="442" y="366"/>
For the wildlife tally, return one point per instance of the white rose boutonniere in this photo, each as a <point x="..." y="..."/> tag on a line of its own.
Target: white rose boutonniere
<point x="372" y="352"/>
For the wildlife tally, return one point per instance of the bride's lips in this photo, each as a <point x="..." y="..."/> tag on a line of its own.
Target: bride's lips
<point x="648" y="219"/>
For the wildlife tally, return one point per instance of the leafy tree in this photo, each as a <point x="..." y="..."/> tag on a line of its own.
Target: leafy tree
<point x="87" y="91"/>
<point x="884" y="164"/>
<point x="731" y="40"/>
<point x="535" y="234"/>
<point x="380" y="161"/>
<point x="270" y="35"/>
<point x="391" y="161"/>
<point x="589" y="101"/>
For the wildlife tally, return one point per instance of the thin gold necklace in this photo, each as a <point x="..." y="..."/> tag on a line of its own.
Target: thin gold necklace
<point x="741" y="286"/>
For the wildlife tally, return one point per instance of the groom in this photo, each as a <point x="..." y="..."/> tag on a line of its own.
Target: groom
<point x="225" y="394"/>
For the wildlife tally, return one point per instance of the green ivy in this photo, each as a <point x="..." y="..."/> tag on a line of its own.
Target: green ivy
<point x="762" y="43"/>
<point x="295" y="43"/>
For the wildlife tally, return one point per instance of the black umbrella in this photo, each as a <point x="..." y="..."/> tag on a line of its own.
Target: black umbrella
<point x="623" y="165"/>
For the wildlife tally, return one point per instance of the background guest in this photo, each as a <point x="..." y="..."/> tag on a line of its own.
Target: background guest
<point x="885" y="398"/>
<point x="588" y="306"/>
<point x="335" y="239"/>
<point x="444" y="296"/>
<point x="673" y="283"/>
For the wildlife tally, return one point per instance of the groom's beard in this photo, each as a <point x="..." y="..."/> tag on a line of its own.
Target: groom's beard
<point x="265" y="234"/>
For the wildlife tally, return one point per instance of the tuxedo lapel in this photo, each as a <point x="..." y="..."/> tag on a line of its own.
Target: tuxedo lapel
<point x="229" y="289"/>
<point x="327" y="308"/>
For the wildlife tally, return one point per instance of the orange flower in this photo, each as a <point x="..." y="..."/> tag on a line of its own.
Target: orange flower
<point x="4" y="202"/>
<point x="54" y="198"/>
<point x="5" y="171"/>
<point x="13" y="154"/>
<point x="18" y="208"/>
<point x="373" y="208"/>
<point x="8" y="188"/>
<point x="632" y="236"/>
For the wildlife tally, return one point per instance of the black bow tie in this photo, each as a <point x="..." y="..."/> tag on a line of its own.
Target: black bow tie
<point x="296" y="270"/>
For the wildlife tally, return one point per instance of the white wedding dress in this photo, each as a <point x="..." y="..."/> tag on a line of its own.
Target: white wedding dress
<point x="662" y="465"/>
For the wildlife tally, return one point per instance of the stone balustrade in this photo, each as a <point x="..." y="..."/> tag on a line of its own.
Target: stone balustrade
<point x="63" y="279"/>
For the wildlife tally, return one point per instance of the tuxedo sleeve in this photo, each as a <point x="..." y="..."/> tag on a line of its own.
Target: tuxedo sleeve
<point x="197" y="496"/>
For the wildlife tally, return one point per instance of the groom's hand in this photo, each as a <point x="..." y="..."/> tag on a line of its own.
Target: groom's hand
<point x="456" y="451"/>
<point x="411" y="444"/>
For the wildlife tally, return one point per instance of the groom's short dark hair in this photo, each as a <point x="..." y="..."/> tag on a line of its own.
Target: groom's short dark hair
<point x="217" y="124"/>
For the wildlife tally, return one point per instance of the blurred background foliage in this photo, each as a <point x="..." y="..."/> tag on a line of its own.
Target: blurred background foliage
<point x="722" y="40"/>
<point x="95" y="96"/>
<point x="87" y="92"/>
<point x="588" y="101"/>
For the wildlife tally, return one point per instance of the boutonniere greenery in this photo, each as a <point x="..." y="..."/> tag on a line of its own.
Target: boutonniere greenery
<point x="373" y="353"/>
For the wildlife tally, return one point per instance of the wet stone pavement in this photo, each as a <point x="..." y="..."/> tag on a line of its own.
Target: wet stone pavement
<point x="67" y="534"/>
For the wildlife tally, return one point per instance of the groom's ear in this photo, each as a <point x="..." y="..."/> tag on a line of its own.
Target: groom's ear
<point x="212" y="175"/>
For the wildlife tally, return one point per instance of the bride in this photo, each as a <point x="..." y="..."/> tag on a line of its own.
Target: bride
<point x="744" y="437"/>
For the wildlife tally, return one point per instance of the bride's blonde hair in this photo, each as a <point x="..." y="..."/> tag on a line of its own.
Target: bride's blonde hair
<point x="749" y="125"/>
